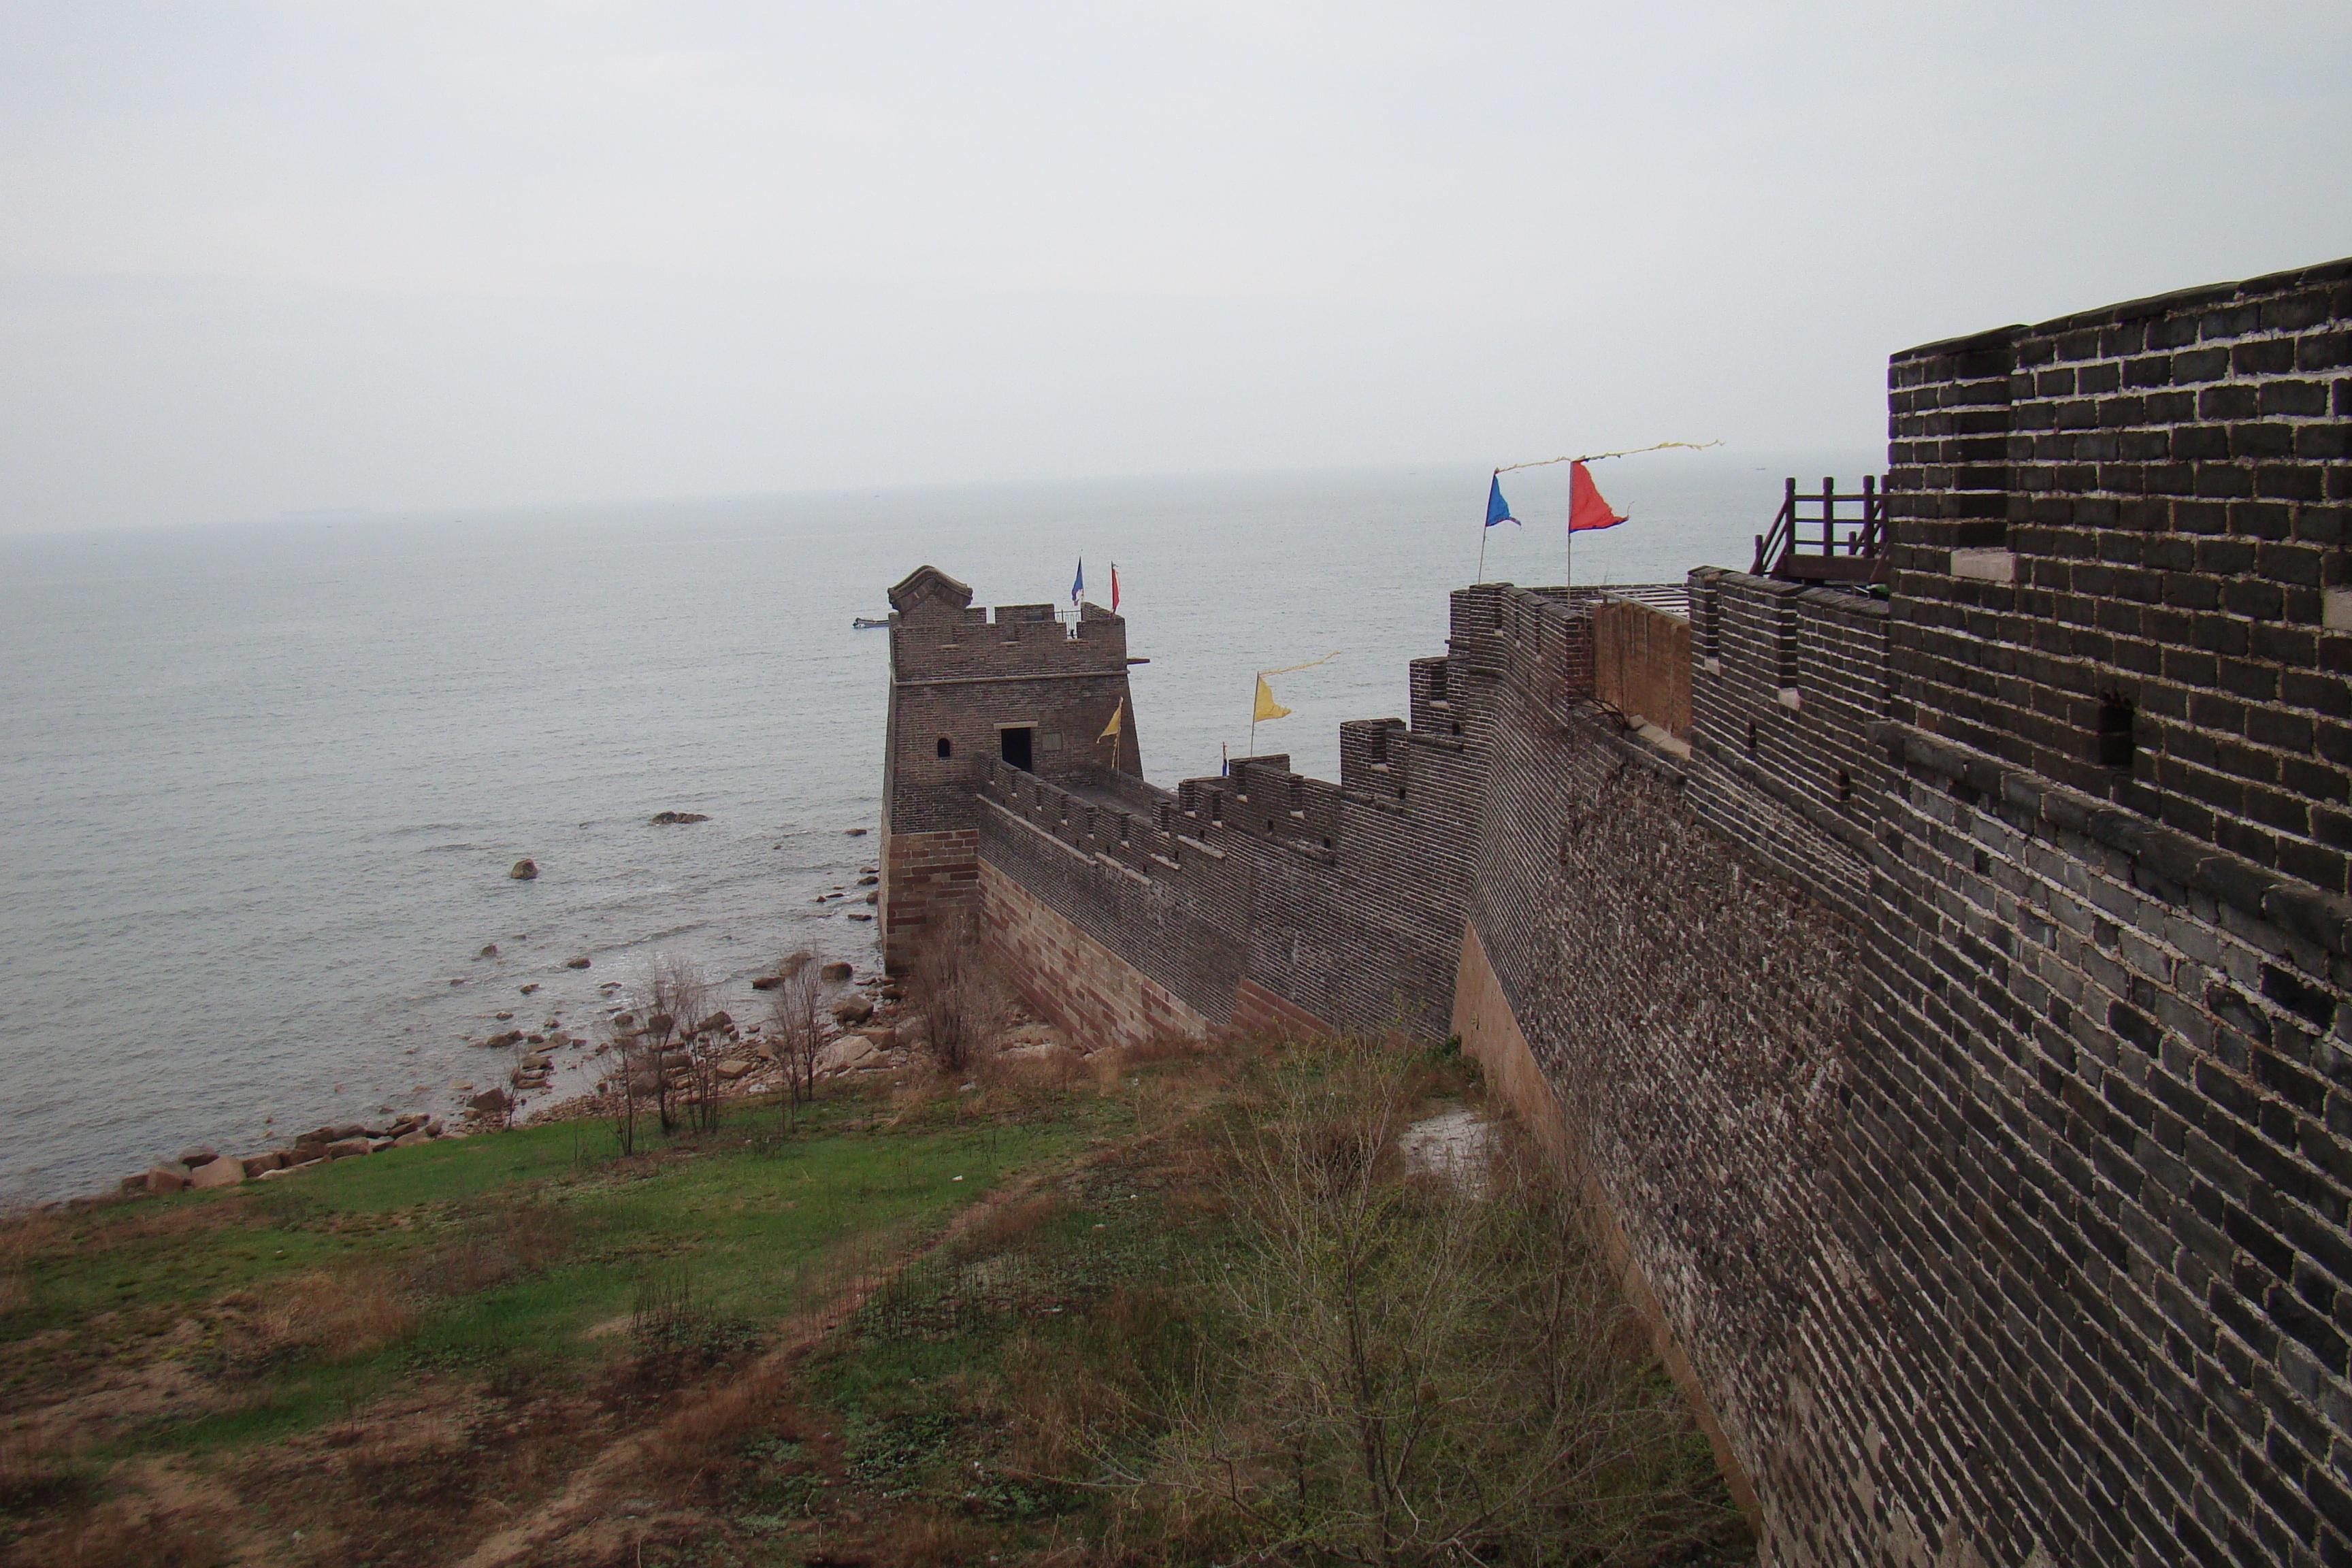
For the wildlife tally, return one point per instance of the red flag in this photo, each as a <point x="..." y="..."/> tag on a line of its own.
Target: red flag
<point x="1113" y="587"/>
<point x="1586" y="508"/>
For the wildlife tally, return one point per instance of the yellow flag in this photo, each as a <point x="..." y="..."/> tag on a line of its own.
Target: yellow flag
<point x="1267" y="708"/>
<point x="1110" y="730"/>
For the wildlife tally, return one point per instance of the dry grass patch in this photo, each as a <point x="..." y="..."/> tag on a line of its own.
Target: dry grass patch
<point x="127" y="1532"/>
<point x="336" y="1316"/>
<point x="500" y="1245"/>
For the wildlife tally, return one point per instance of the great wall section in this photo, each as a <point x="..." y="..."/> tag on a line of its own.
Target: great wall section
<point x="1940" y="989"/>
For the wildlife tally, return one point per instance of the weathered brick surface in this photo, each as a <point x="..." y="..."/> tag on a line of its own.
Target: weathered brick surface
<point x="1642" y="663"/>
<point x="1090" y="992"/>
<point x="1257" y="1011"/>
<point x="958" y="677"/>
<point x="1267" y="897"/>
<point x="2174" y="482"/>
<point x="2096" y="1138"/>
<point x="926" y="878"/>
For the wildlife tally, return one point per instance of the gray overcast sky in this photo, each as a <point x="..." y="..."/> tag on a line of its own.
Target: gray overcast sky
<point x="258" y="258"/>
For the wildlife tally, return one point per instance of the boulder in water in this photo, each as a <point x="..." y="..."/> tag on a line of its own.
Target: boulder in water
<point x="855" y="832"/>
<point x="853" y="1010"/>
<point x="490" y="950"/>
<point x="836" y="971"/>
<point x="529" y="988"/>
<point x="489" y="1102"/>
<point x="524" y="871"/>
<point x="677" y="819"/>
<point x="580" y="963"/>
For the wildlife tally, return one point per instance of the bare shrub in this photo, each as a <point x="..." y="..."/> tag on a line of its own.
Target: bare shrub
<point x="963" y="1006"/>
<point x="338" y="1317"/>
<point x="675" y="996"/>
<point x="666" y="1313"/>
<point x="796" y="1005"/>
<point x="622" y="1038"/>
<point x="1418" y="1370"/>
<point x="1059" y="1405"/>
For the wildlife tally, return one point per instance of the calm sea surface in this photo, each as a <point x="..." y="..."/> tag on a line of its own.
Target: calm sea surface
<point x="260" y="785"/>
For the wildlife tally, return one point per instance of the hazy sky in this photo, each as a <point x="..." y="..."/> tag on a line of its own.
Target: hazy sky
<point x="257" y="257"/>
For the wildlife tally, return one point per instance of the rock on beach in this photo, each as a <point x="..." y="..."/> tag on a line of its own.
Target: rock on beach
<point x="217" y="1172"/>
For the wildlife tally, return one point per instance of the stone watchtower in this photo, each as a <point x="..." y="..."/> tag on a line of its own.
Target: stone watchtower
<point x="1024" y="690"/>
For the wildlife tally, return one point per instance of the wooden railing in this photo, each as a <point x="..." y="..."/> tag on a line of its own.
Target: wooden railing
<point x="1813" y="541"/>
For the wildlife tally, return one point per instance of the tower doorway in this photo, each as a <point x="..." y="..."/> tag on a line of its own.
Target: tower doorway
<point x="1014" y="744"/>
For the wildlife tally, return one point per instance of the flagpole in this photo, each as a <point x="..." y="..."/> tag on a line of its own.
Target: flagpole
<point x="1484" y="529"/>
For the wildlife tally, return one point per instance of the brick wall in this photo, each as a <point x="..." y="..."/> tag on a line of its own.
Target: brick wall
<point x="1090" y="992"/>
<point x="1952" y="1025"/>
<point x="2002" y="1212"/>
<point x="958" y="677"/>
<point x="1642" y="663"/>
<point x="926" y="878"/>
<point x="1786" y="682"/>
<point x="1265" y="897"/>
<point x="2115" y="535"/>
<point x="2097" y="1143"/>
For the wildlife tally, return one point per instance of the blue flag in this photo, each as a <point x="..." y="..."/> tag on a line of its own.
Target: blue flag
<point x="1078" y="582"/>
<point x="1497" y="509"/>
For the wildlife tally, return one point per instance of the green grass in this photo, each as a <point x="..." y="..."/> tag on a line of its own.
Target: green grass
<point x="545" y="1297"/>
<point x="744" y="1218"/>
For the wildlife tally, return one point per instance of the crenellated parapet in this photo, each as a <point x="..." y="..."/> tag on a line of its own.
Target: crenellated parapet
<point x="969" y="691"/>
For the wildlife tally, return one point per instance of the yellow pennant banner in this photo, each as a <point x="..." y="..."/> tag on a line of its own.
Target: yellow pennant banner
<point x="1267" y="708"/>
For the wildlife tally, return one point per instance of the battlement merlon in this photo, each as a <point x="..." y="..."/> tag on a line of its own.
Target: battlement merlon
<point x="937" y="634"/>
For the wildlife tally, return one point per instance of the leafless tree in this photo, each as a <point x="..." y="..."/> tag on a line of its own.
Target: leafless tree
<point x="674" y="994"/>
<point x="796" y="1004"/>
<point x="706" y="1042"/>
<point x="622" y="1038"/>
<point x="962" y="1006"/>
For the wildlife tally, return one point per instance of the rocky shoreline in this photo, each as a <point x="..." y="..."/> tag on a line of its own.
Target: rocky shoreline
<point x="205" y="1167"/>
<point x="872" y="1031"/>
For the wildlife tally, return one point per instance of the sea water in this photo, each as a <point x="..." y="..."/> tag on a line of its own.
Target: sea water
<point x="260" y="785"/>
